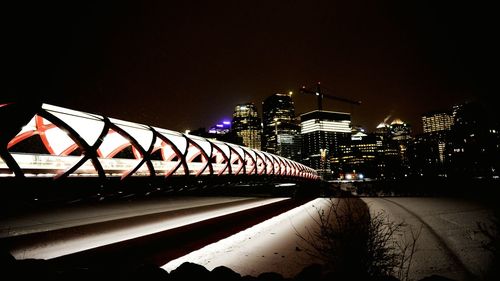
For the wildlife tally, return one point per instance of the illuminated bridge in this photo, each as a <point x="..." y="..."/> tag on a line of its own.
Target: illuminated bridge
<point x="47" y="141"/>
<point x="52" y="155"/>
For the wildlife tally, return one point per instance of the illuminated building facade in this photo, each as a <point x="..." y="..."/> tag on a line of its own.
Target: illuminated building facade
<point x="437" y="121"/>
<point x="425" y="154"/>
<point x="392" y="143"/>
<point x="401" y="138"/>
<point x="280" y="129"/>
<point x="323" y="134"/>
<point x="473" y="148"/>
<point x="359" y="157"/>
<point x="462" y="144"/>
<point x="221" y="128"/>
<point x="436" y="127"/>
<point x="246" y="124"/>
<point x="400" y="131"/>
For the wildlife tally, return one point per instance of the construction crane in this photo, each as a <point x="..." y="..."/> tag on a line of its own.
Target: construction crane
<point x="323" y="150"/>
<point x="320" y="95"/>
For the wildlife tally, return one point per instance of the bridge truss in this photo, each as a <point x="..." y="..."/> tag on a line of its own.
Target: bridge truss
<point x="55" y="142"/>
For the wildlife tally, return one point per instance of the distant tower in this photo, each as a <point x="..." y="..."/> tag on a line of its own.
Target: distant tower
<point x="360" y="156"/>
<point x="474" y="146"/>
<point x="280" y="130"/>
<point x="436" y="126"/>
<point x="383" y="132"/>
<point x="323" y="133"/>
<point x="246" y="124"/>
<point x="400" y="130"/>
<point x="392" y="143"/>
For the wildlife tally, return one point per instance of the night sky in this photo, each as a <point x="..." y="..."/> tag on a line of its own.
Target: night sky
<point x="186" y="64"/>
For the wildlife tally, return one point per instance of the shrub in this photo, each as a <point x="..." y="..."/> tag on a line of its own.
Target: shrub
<point x="354" y="244"/>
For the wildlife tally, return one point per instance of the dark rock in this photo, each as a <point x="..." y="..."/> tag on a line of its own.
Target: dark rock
<point x="222" y="273"/>
<point x="190" y="271"/>
<point x="32" y="269"/>
<point x="331" y="275"/>
<point x="270" y="276"/>
<point x="311" y="272"/>
<point x="6" y="259"/>
<point x="7" y="264"/>
<point x="384" y="278"/>
<point x="78" y="274"/>
<point x="249" y="278"/>
<point x="148" y="272"/>
<point x="435" y="277"/>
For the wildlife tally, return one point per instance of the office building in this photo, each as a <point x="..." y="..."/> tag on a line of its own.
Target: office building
<point x="280" y="128"/>
<point x="246" y="124"/>
<point x="437" y="121"/>
<point x="323" y="133"/>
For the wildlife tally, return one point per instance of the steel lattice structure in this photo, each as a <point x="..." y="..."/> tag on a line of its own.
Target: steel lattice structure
<point x="52" y="141"/>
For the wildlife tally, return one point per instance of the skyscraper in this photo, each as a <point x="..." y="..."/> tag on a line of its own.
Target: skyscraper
<point x="400" y="130"/>
<point x="437" y="121"/>
<point x="401" y="136"/>
<point x="280" y="130"/>
<point x="359" y="157"/>
<point x="323" y="133"/>
<point x="436" y="127"/>
<point x="474" y="145"/>
<point x="246" y="124"/>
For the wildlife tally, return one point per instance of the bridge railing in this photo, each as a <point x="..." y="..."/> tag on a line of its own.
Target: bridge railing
<point x="59" y="142"/>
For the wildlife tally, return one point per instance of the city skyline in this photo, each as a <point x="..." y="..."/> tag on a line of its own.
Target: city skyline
<point x="101" y="179"/>
<point x="182" y="65"/>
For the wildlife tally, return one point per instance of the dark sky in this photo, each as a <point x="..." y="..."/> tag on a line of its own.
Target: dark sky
<point x="186" y="64"/>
